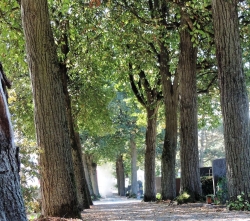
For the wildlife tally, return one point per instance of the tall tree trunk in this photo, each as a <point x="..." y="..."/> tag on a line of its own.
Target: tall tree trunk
<point x="234" y="98"/>
<point x="149" y="172"/>
<point x="170" y="94"/>
<point x="94" y="179"/>
<point x="86" y="188"/>
<point x="11" y="200"/>
<point x="87" y="174"/>
<point x="150" y="99"/>
<point x="83" y="195"/>
<point x="133" y="165"/>
<point x="160" y="12"/>
<point x="92" y="168"/>
<point x="59" y="197"/>
<point x="190" y="175"/>
<point x="120" y="175"/>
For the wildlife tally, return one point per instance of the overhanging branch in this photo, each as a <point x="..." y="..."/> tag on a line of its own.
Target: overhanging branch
<point x="206" y="90"/>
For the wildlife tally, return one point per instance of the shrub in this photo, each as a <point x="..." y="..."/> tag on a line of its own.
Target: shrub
<point x="158" y="196"/>
<point x="222" y="192"/>
<point x="207" y="185"/>
<point x="183" y="198"/>
<point x="239" y="204"/>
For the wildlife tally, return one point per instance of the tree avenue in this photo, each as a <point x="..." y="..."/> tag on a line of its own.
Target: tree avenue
<point x="59" y="196"/>
<point x="102" y="74"/>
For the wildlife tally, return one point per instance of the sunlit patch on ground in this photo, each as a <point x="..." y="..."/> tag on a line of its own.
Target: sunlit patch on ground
<point x="123" y="209"/>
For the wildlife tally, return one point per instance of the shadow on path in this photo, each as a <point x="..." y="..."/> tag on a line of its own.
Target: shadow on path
<point x="121" y="208"/>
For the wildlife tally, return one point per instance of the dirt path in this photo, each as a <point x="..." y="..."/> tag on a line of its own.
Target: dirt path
<point x="122" y="209"/>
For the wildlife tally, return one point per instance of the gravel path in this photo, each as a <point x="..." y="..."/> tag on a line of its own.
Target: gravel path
<point x="122" y="209"/>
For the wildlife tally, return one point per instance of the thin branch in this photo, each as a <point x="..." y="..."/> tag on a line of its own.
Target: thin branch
<point x="4" y="81"/>
<point x="207" y="72"/>
<point x="206" y="90"/>
<point x="155" y="95"/>
<point x="151" y="7"/>
<point x="134" y="12"/>
<point x="3" y="78"/>
<point x="154" y="50"/>
<point x="158" y="94"/>
<point x="138" y="95"/>
<point x="145" y="82"/>
<point x="156" y="4"/>
<point x="204" y="66"/>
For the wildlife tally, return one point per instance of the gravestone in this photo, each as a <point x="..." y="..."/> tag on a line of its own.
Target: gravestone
<point x="219" y="178"/>
<point x="206" y="171"/>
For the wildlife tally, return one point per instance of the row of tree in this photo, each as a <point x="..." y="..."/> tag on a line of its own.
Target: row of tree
<point x="78" y="52"/>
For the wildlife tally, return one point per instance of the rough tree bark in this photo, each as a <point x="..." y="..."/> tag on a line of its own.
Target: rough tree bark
<point x="234" y="98"/>
<point x="134" y="188"/>
<point x="11" y="200"/>
<point x="87" y="174"/>
<point x="149" y="173"/>
<point x="86" y="188"/>
<point x="83" y="194"/>
<point x="120" y="175"/>
<point x="92" y="168"/>
<point x="190" y="175"/>
<point x="59" y="197"/>
<point x="170" y="95"/>
<point x="94" y="179"/>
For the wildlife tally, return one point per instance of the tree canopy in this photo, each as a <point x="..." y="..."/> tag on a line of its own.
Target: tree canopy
<point x="113" y="52"/>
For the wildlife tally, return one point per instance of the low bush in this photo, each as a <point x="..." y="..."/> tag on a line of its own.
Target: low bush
<point x="183" y="198"/>
<point x="207" y="185"/>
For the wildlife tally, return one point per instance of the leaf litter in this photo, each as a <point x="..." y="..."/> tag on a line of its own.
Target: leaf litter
<point x="162" y="211"/>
